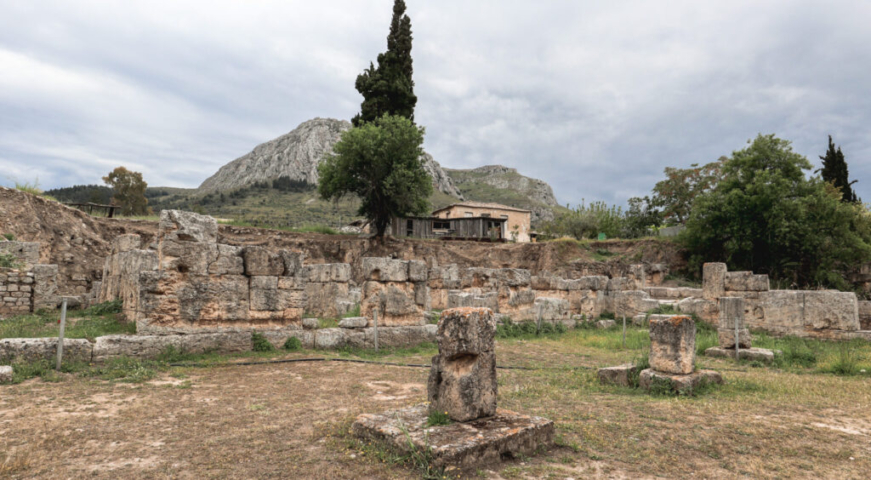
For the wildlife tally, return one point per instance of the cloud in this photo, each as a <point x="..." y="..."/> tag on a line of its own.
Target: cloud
<point x="594" y="98"/>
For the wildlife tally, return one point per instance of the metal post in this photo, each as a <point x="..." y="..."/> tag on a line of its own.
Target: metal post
<point x="624" y="332"/>
<point x="60" y="336"/>
<point x="538" y="327"/>
<point x="375" y="318"/>
<point x="737" y="347"/>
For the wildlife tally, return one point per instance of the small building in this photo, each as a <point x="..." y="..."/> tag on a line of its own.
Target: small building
<point x="466" y="228"/>
<point x="516" y="222"/>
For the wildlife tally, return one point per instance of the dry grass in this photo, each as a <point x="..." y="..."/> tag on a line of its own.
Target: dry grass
<point x="291" y="420"/>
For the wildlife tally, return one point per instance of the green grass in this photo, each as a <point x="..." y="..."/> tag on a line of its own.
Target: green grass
<point x="96" y="321"/>
<point x="437" y="418"/>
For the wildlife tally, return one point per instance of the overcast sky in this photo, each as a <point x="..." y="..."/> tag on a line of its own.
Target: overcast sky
<point x="596" y="98"/>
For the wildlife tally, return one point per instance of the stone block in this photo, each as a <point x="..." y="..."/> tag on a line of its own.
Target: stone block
<point x="682" y="384"/>
<point x="673" y="344"/>
<point x="464" y="446"/>
<point x="125" y="243"/>
<point x="639" y="320"/>
<point x="466" y="331"/>
<point x="457" y="299"/>
<point x="831" y="310"/>
<point x="864" y="315"/>
<point x="353" y="322"/>
<point x="731" y="313"/>
<point x="261" y="262"/>
<point x="605" y="324"/>
<point x="293" y="262"/>
<point x="227" y="260"/>
<point x="6" y="374"/>
<point x="752" y="354"/>
<point x="417" y="271"/>
<point x="713" y="280"/>
<point x="383" y="269"/>
<point x="178" y="225"/>
<point x="514" y="277"/>
<point x="552" y="309"/>
<point x="746" y="282"/>
<point x="310" y="323"/>
<point x="223" y="298"/>
<point x="421" y="295"/>
<point x="328" y="272"/>
<point x="704" y="308"/>
<point x="329" y="338"/>
<point x="620" y="375"/>
<point x="14" y="350"/>
<point x="544" y="282"/>
<point x="26" y="253"/>
<point x="620" y="284"/>
<point x="151" y="346"/>
<point x="464" y="386"/>
<point x="186" y="257"/>
<point x="726" y="337"/>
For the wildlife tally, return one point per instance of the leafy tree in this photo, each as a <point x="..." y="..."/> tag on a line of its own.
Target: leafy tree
<point x="380" y="162"/>
<point x="389" y="88"/>
<point x="766" y="216"/>
<point x="675" y="194"/>
<point x="835" y="172"/>
<point x="640" y="217"/>
<point x="587" y="221"/>
<point x="128" y="191"/>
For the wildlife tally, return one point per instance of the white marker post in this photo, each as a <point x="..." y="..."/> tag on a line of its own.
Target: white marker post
<point x="737" y="347"/>
<point x="60" y="335"/>
<point x="375" y="320"/>
<point x="624" y="332"/>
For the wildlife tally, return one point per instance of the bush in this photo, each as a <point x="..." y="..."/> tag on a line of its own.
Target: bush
<point x="292" y="344"/>
<point x="7" y="260"/>
<point x="260" y="343"/>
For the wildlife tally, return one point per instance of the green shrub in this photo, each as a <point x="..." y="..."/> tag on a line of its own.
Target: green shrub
<point x="260" y="343"/>
<point x="292" y="344"/>
<point x="106" y="308"/>
<point x="437" y="418"/>
<point x="847" y="360"/>
<point x="9" y="237"/>
<point x="7" y="260"/>
<point x="606" y="315"/>
<point x="641" y="363"/>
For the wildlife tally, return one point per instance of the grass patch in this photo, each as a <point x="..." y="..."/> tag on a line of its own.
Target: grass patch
<point x="528" y="329"/>
<point x="98" y="320"/>
<point x="437" y="418"/>
<point x="8" y="260"/>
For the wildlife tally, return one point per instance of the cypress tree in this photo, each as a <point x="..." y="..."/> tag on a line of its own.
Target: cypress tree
<point x="835" y="172"/>
<point x="389" y="88"/>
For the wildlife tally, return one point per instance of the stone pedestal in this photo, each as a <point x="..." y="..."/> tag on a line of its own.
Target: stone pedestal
<point x="713" y="280"/>
<point x="673" y="344"/>
<point x="682" y="384"/>
<point x="732" y="316"/>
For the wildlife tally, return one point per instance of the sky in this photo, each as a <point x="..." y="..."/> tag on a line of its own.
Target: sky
<point x="595" y="98"/>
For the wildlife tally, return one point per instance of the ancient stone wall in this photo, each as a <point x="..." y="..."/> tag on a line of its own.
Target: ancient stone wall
<point x="397" y="289"/>
<point x="30" y="285"/>
<point x="16" y="292"/>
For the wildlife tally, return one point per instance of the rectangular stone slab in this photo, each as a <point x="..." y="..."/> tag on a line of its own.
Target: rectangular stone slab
<point x="464" y="445"/>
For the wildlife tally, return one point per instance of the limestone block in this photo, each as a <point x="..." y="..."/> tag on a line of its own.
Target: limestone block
<point x="184" y="226"/>
<point x="26" y="253"/>
<point x="421" y="295"/>
<point x="125" y="243"/>
<point x="293" y="261"/>
<point x="713" y="280"/>
<point x="514" y="277"/>
<point x="6" y="374"/>
<point x="186" y="257"/>
<point x="605" y="324"/>
<point x="445" y="277"/>
<point x="353" y="322"/>
<point x="639" y="320"/>
<point x="417" y="271"/>
<point x="637" y="275"/>
<point x="291" y="283"/>
<point x="466" y="331"/>
<point x="752" y="354"/>
<point x="865" y="315"/>
<point x="673" y="344"/>
<point x="384" y="269"/>
<point x="458" y="299"/>
<point x="329" y="338"/>
<point x="150" y="346"/>
<point x="227" y="260"/>
<point x="398" y="301"/>
<point x="522" y="298"/>
<point x="544" y="282"/>
<point x="703" y="308"/>
<point x="463" y="386"/>
<point x="726" y="337"/>
<point x="746" y="282"/>
<point x="620" y="284"/>
<point x="14" y="350"/>
<point x="619" y="375"/>
<point x="782" y="311"/>
<point x="261" y="262"/>
<point x="264" y="283"/>
<point x="328" y="272"/>
<point x="629" y="302"/>
<point x="552" y="309"/>
<point x="486" y="278"/>
<point x="310" y="323"/>
<point x="683" y="384"/>
<point x="221" y="298"/>
<point x="45" y="287"/>
<point x="831" y="310"/>
<point x="731" y="313"/>
<point x="268" y="300"/>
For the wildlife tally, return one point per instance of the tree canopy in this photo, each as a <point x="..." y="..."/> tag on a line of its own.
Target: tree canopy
<point x="835" y="172"/>
<point x="675" y="194"/>
<point x="765" y="215"/>
<point x="128" y="191"/>
<point x="380" y="162"/>
<point x="389" y="88"/>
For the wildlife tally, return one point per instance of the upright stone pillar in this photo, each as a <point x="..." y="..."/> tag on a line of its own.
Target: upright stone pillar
<point x="673" y="344"/>
<point x="732" y="313"/>
<point x="462" y="381"/>
<point x="713" y="280"/>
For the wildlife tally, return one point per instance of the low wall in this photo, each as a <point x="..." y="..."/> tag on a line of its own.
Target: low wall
<point x="16" y="292"/>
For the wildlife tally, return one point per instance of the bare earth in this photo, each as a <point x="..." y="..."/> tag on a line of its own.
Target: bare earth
<point x="290" y="420"/>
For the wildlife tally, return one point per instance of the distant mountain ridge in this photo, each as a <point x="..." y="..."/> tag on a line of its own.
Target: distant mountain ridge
<point x="500" y="184"/>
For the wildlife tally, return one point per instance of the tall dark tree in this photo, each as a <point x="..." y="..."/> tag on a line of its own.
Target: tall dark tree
<point x="389" y="88"/>
<point x="834" y="171"/>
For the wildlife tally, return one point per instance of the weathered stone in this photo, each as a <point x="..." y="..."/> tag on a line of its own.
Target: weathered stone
<point x="746" y="282"/>
<point x="639" y="320"/>
<point x="552" y="309"/>
<point x="151" y="346"/>
<point x="328" y="272"/>
<point x="620" y="284"/>
<point x="182" y="226"/>
<point x="329" y="338"/>
<point x="222" y="298"/>
<point x="628" y="302"/>
<point x="605" y="324"/>
<point x="467" y="299"/>
<point x="382" y="269"/>
<point x="462" y="380"/>
<point x="310" y="323"/>
<point x="26" y="253"/>
<point x="125" y="243"/>
<point x="713" y="280"/>
<point x="261" y="262"/>
<point x="620" y="375"/>
<point x="45" y="287"/>
<point x="353" y="322"/>
<point x="673" y="344"/>
<point x="14" y="350"/>
<point x="522" y="298"/>
<point x="514" y="277"/>
<point x="637" y="275"/>
<point x="292" y="262"/>
<point x="703" y="308"/>
<point x="682" y="384"/>
<point x="6" y="374"/>
<point x="227" y="260"/>
<point x="751" y="354"/>
<point x="731" y="313"/>
<point x="417" y="271"/>
<point x="460" y="445"/>
<point x="726" y="337"/>
<point x="831" y="310"/>
<point x="864" y="315"/>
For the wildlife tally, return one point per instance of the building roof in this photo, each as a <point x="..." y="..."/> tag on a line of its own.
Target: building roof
<point x="493" y="206"/>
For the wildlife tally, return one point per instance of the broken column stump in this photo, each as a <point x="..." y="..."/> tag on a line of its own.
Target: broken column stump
<point x="462" y="383"/>
<point x="672" y="357"/>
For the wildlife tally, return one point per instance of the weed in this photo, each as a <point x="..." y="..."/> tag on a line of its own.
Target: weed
<point x="847" y="360"/>
<point x="7" y="260"/>
<point x="606" y="315"/>
<point x="260" y="343"/>
<point x="664" y="309"/>
<point x="354" y="312"/>
<point x="641" y="363"/>
<point x="292" y="344"/>
<point x="106" y="308"/>
<point x="328" y="323"/>
<point x="437" y="418"/>
<point x="9" y="237"/>
<point x="125" y="369"/>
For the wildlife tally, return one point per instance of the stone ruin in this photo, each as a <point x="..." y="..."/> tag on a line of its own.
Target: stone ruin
<point x="29" y="285"/>
<point x="462" y="384"/>
<point x="673" y="356"/>
<point x="731" y="319"/>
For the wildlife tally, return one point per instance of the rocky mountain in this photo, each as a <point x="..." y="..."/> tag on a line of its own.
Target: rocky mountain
<point x="496" y="183"/>
<point x="296" y="155"/>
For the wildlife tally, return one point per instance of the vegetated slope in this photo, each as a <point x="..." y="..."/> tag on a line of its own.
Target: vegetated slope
<point x="296" y="155"/>
<point x="499" y="184"/>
